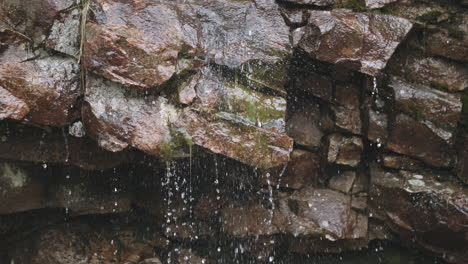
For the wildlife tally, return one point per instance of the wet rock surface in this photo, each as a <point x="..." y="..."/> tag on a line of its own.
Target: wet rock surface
<point x="232" y="131"/>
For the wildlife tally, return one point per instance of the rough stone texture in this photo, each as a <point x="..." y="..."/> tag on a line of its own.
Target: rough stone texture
<point x="304" y="169"/>
<point x="462" y="166"/>
<point x="307" y="212"/>
<point x="404" y="199"/>
<point x="117" y="118"/>
<point x="342" y="181"/>
<point x="441" y="108"/>
<point x="139" y="45"/>
<point x="303" y="125"/>
<point x="434" y="71"/>
<point x="11" y="106"/>
<point x="359" y="41"/>
<point x="315" y="2"/>
<point x="401" y="162"/>
<point x="373" y="4"/>
<point x="64" y="35"/>
<point x="32" y="18"/>
<point x="377" y="130"/>
<point x="47" y="85"/>
<point x="344" y="150"/>
<point x="411" y="138"/>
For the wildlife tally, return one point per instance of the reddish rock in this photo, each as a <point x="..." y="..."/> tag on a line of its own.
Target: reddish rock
<point x="47" y="86"/>
<point x="373" y="4"/>
<point x="359" y="41"/>
<point x="411" y="138"/>
<point x="348" y="119"/>
<point x="32" y="18"/>
<point x="320" y="86"/>
<point x="117" y="119"/>
<point x="11" y="106"/>
<point x="139" y="45"/>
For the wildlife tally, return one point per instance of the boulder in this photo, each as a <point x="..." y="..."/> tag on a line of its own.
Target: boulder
<point x="360" y="41"/>
<point x="303" y="125"/>
<point x="421" y="209"/>
<point x="38" y="88"/>
<point x="344" y="150"/>
<point x="427" y="104"/>
<point x="117" y="118"/>
<point x="409" y="137"/>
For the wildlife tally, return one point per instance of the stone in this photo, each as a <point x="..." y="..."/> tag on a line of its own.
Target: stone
<point x="418" y="207"/>
<point x="186" y="256"/>
<point x="249" y="220"/>
<point x="295" y="17"/>
<point x="374" y="4"/>
<point x="21" y="189"/>
<point x="125" y="49"/>
<point x="303" y="125"/>
<point x="342" y="181"/>
<point x="116" y="118"/>
<point x="401" y="162"/>
<point x="424" y="103"/>
<point x="344" y="150"/>
<point x="64" y="35"/>
<point x="54" y="146"/>
<point x="314" y="2"/>
<point x="359" y="41"/>
<point x="11" y="106"/>
<point x="415" y="139"/>
<point x="151" y="261"/>
<point x="434" y="71"/>
<point x="321" y="212"/>
<point x="45" y="88"/>
<point x="347" y="95"/>
<point x="349" y="120"/>
<point x="304" y="169"/>
<point x="377" y="130"/>
<point x="250" y="37"/>
<point x="316" y="84"/>
<point x="231" y="39"/>
<point x="34" y="18"/>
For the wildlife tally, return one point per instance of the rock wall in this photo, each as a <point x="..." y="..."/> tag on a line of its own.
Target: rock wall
<point x="251" y="126"/>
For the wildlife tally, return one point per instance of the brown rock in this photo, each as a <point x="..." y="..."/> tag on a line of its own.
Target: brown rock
<point x="432" y="214"/>
<point x="365" y="46"/>
<point x="304" y="169"/>
<point x="47" y="85"/>
<point x="344" y="150"/>
<point x="250" y="220"/>
<point x="117" y="119"/>
<point x="349" y="120"/>
<point x="462" y="165"/>
<point x="377" y="130"/>
<point x="441" y="108"/>
<point x="438" y="72"/>
<point x="303" y="125"/>
<point x="11" y="107"/>
<point x="32" y="18"/>
<point x="401" y="162"/>
<point x="318" y="85"/>
<point x="412" y="138"/>
<point x="342" y="181"/>
<point x="21" y="188"/>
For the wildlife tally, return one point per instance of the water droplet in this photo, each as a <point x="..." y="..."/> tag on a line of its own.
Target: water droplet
<point x="44" y="166"/>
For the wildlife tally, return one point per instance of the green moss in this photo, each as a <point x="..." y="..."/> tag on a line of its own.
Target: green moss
<point x="355" y="5"/>
<point x="456" y="34"/>
<point x="431" y="17"/>
<point x="439" y="86"/>
<point x="179" y="145"/>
